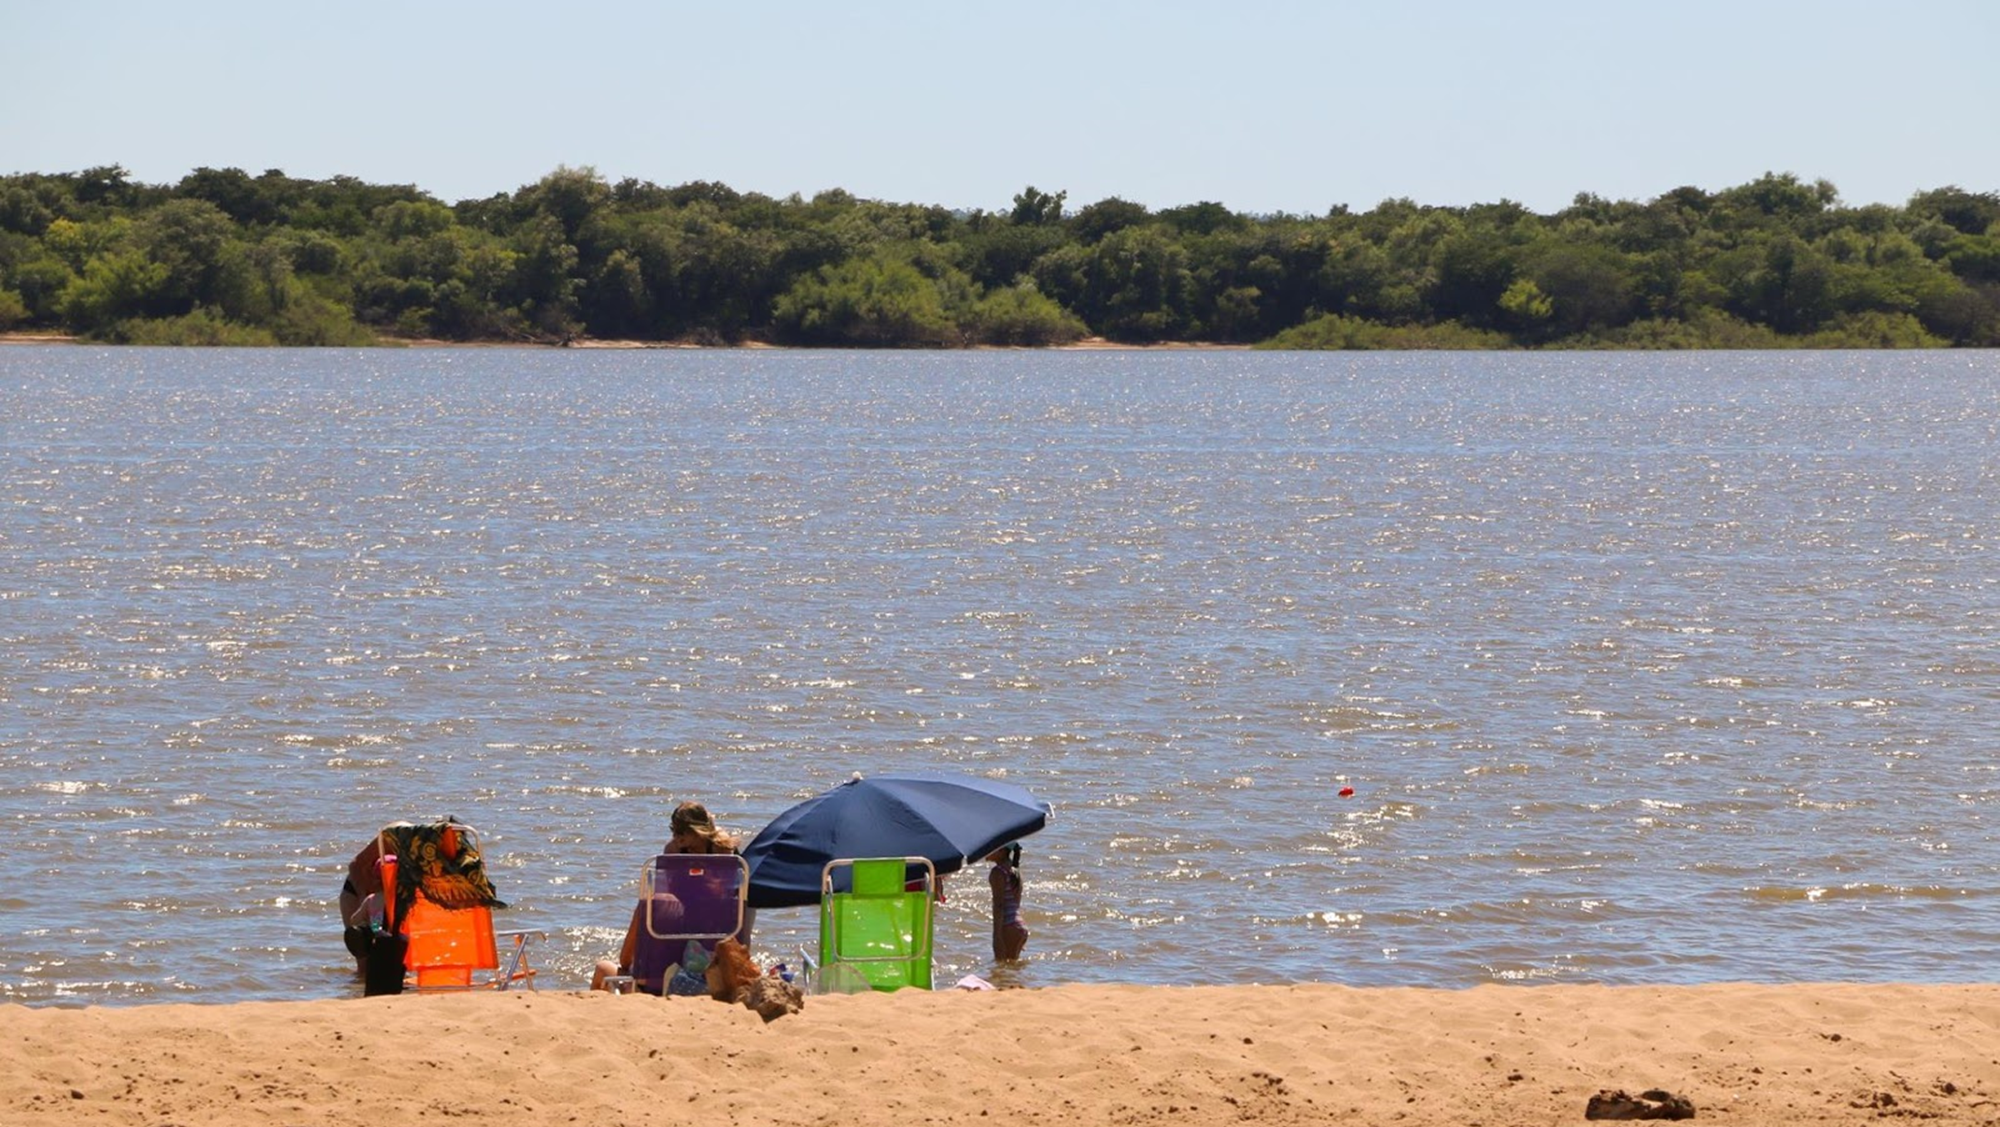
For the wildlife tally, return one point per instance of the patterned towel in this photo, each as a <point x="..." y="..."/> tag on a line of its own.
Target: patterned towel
<point x="450" y="878"/>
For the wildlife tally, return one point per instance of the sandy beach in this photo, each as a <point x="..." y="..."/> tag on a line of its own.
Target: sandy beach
<point x="1075" y="1055"/>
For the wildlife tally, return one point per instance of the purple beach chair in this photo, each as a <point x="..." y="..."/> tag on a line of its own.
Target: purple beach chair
<point x="683" y="898"/>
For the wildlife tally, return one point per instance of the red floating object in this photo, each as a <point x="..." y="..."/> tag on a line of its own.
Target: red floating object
<point x="1347" y="792"/>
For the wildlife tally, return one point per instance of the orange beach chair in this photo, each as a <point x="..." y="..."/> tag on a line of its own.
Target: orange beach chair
<point x="443" y="907"/>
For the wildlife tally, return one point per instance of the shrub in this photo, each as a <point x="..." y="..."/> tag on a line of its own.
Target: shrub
<point x="879" y="302"/>
<point x="1875" y="329"/>
<point x="202" y="327"/>
<point x="1704" y="328"/>
<point x="1022" y="315"/>
<point x="1337" y="331"/>
<point x="309" y="319"/>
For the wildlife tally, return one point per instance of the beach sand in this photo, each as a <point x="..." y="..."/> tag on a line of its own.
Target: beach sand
<point x="1076" y="1055"/>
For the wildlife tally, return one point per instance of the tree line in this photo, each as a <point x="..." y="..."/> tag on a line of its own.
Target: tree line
<point x="225" y="257"/>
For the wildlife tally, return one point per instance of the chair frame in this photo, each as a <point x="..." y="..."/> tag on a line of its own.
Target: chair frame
<point x="646" y="893"/>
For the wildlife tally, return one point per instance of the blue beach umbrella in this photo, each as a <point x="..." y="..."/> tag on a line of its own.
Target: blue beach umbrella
<point x="947" y="819"/>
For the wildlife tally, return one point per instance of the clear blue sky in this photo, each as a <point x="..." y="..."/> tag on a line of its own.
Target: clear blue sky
<point x="1260" y="105"/>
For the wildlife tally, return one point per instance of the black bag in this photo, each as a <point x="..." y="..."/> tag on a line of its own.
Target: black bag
<point x="385" y="964"/>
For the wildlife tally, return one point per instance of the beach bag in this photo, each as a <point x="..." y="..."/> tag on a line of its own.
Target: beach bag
<point x="689" y="977"/>
<point x="686" y="984"/>
<point x="385" y="964"/>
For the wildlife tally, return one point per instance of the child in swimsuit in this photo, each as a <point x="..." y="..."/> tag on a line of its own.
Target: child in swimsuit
<point x="1010" y="935"/>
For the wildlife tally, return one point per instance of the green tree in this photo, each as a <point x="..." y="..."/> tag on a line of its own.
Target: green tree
<point x="1106" y="216"/>
<point x="190" y="239"/>
<point x="1969" y="213"/>
<point x="412" y="219"/>
<point x="77" y="243"/>
<point x="1526" y="308"/>
<point x="1136" y="286"/>
<point x="235" y="194"/>
<point x="41" y="281"/>
<point x="113" y="288"/>
<point x="1778" y="196"/>
<point x="1204" y="218"/>
<point x="1790" y="289"/>
<point x="13" y="310"/>
<point x="1358" y="279"/>
<point x="1001" y="253"/>
<point x="709" y="276"/>
<point x="1035" y="208"/>
<point x="110" y="185"/>
<point x="547" y="284"/>
<point x="1975" y="258"/>
<point x="1471" y="269"/>
<point x="1588" y="286"/>
<point x="23" y="212"/>
<point x="471" y="304"/>
<point x="616" y="300"/>
<point x="570" y="196"/>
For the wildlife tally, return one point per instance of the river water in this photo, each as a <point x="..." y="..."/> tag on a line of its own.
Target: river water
<point x="1641" y="668"/>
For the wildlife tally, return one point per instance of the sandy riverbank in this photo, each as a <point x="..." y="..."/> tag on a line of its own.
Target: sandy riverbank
<point x="1077" y="1055"/>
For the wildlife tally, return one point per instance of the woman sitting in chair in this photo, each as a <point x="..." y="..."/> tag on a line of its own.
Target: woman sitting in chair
<point x="693" y="832"/>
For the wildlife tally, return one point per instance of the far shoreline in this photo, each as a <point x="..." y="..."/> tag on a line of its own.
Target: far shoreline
<point x="1087" y="344"/>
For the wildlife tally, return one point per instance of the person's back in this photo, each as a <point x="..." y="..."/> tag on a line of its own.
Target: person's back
<point x="361" y="884"/>
<point x="692" y="830"/>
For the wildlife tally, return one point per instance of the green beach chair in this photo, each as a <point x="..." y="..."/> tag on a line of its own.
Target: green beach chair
<point x="876" y="929"/>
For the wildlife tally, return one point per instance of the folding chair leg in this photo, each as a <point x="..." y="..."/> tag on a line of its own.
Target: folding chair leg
<point x="515" y="967"/>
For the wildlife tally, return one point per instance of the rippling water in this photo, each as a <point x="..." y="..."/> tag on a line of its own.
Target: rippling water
<point x="1642" y="668"/>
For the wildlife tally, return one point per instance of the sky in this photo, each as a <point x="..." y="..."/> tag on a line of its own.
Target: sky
<point x="1264" y="106"/>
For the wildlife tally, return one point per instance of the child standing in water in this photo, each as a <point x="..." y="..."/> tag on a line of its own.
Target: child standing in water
<point x="1010" y="935"/>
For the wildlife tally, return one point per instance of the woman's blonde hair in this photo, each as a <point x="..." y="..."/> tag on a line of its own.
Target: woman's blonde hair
<point x="692" y="818"/>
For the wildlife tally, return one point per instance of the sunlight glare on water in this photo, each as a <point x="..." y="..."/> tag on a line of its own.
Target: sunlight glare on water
<point x="1641" y="667"/>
